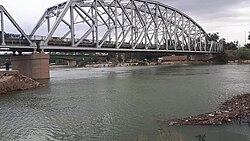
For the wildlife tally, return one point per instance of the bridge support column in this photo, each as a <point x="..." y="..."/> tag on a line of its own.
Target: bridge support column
<point x="35" y="66"/>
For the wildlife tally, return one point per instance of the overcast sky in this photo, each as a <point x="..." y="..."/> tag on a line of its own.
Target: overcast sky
<point x="231" y="18"/>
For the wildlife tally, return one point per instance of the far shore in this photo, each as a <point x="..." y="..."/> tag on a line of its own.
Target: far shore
<point x="108" y="64"/>
<point x="131" y="64"/>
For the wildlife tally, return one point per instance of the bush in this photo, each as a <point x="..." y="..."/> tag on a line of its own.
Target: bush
<point x="243" y="53"/>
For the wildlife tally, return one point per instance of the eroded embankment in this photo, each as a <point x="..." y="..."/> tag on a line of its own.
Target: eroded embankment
<point x="14" y="81"/>
<point x="232" y="109"/>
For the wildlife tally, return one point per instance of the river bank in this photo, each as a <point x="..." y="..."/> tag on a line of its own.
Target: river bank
<point x="238" y="107"/>
<point x="13" y="81"/>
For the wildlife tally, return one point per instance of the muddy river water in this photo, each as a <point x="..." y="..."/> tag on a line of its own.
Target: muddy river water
<point x="124" y="104"/>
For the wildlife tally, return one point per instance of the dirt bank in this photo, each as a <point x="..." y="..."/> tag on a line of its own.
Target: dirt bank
<point x="14" y="81"/>
<point x="235" y="108"/>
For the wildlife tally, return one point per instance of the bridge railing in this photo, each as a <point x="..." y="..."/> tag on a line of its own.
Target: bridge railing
<point x="15" y="40"/>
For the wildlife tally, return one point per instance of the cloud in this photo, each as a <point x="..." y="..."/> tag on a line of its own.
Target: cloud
<point x="231" y="18"/>
<point x="27" y="12"/>
<point x="215" y="9"/>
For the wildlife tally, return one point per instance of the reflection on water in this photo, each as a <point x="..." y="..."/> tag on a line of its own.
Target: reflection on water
<point x="123" y="103"/>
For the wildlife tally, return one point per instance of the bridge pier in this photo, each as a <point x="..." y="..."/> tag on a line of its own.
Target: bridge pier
<point x="35" y="66"/>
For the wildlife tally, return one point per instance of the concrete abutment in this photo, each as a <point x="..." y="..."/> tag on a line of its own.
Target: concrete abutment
<point x="35" y="66"/>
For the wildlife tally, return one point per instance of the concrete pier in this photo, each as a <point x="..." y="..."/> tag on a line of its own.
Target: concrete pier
<point x="35" y="66"/>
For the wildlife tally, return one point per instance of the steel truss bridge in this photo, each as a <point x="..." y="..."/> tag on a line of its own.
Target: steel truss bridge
<point x="111" y="25"/>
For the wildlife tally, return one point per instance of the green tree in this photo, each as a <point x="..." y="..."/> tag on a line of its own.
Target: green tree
<point x="243" y="53"/>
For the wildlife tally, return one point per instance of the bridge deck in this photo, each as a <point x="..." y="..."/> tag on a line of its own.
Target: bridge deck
<point x="87" y="45"/>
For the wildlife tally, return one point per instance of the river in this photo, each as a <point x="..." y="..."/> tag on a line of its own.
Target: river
<point x="124" y="104"/>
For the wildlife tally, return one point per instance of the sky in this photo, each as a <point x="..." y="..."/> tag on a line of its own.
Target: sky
<point x="230" y="18"/>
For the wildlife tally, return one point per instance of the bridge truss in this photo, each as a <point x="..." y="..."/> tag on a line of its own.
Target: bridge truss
<point x="120" y="25"/>
<point x="5" y="38"/>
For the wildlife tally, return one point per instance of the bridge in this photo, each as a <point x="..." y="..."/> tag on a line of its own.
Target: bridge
<point x="110" y="26"/>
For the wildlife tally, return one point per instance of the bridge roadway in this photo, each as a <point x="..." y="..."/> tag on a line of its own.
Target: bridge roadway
<point x="64" y="45"/>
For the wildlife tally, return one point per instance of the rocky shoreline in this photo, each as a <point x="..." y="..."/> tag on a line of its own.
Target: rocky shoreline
<point x="13" y="81"/>
<point x="237" y="107"/>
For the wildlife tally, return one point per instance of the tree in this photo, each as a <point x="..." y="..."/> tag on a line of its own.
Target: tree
<point x="243" y="53"/>
<point x="247" y="45"/>
<point x="230" y="46"/>
<point x="213" y="36"/>
<point x="249" y="36"/>
<point x="119" y="58"/>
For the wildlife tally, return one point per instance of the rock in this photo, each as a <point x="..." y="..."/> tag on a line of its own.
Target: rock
<point x="220" y="123"/>
<point x="13" y="81"/>
<point x="211" y="115"/>
<point x="218" y="112"/>
<point x="172" y="123"/>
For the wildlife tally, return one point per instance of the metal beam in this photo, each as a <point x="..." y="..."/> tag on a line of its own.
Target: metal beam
<point x="2" y="28"/>
<point x="59" y="19"/>
<point x="84" y="36"/>
<point x="16" y="25"/>
<point x="72" y="25"/>
<point x="39" y="23"/>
